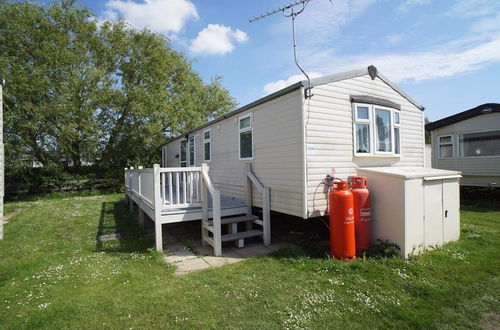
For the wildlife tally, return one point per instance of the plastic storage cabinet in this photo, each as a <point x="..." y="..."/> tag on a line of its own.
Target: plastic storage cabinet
<point x="414" y="207"/>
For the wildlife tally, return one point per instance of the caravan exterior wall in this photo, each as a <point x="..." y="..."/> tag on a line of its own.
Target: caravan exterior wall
<point x="477" y="170"/>
<point x="330" y="137"/>
<point x="277" y="153"/>
<point x="298" y="141"/>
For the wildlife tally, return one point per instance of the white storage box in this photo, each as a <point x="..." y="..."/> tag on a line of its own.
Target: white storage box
<point x="414" y="207"/>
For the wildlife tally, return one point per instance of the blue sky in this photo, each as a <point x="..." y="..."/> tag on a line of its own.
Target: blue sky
<point x="445" y="54"/>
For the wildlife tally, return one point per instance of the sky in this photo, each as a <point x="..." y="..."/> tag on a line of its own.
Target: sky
<point x="444" y="54"/>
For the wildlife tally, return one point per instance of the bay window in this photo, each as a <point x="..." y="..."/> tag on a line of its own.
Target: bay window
<point x="377" y="130"/>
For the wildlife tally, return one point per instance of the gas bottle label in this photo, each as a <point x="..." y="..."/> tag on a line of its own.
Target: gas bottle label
<point x="348" y="220"/>
<point x="351" y="211"/>
<point x="365" y="212"/>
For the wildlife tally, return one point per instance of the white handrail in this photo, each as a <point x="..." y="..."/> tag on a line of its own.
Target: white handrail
<point x="207" y="186"/>
<point x="266" y="202"/>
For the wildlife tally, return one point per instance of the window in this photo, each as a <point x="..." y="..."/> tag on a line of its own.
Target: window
<point x="479" y="144"/>
<point x="446" y="146"/>
<point x="191" y="157"/>
<point x="377" y="130"/>
<point x="397" y="132"/>
<point x="362" y="116"/>
<point x="245" y="136"/>
<point x="207" y="145"/>
<point x="183" y="153"/>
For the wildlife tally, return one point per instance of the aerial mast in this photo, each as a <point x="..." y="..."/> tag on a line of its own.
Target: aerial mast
<point x="292" y="10"/>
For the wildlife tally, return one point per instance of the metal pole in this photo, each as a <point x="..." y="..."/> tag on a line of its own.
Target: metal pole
<point x="2" y="159"/>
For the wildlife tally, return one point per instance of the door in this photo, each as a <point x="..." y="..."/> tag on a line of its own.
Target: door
<point x="451" y="210"/>
<point x="433" y="213"/>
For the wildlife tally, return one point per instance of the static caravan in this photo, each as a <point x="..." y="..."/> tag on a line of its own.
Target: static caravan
<point x="353" y="119"/>
<point x="469" y="142"/>
<point x="284" y="144"/>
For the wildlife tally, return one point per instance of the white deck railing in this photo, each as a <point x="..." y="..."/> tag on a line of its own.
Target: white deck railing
<point x="180" y="187"/>
<point x="175" y="187"/>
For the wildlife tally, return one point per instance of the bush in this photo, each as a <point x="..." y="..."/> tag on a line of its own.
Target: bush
<point x="44" y="180"/>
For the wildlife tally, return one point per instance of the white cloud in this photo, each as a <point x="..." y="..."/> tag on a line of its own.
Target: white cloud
<point x="395" y="38"/>
<point x="475" y="8"/>
<point x="217" y="39"/>
<point x="280" y="84"/>
<point x="445" y="61"/>
<point x="405" y="6"/>
<point x="163" y="16"/>
<point x="321" y="21"/>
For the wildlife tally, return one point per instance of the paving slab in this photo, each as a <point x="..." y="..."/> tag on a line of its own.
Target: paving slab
<point x="179" y="256"/>
<point x="227" y="258"/>
<point x="108" y="237"/>
<point x="190" y="266"/>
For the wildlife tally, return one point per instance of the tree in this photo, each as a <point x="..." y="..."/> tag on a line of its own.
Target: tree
<point x="428" y="139"/>
<point x="86" y="92"/>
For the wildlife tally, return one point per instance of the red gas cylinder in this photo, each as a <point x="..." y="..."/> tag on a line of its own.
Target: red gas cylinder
<point x="342" y="238"/>
<point x="362" y="214"/>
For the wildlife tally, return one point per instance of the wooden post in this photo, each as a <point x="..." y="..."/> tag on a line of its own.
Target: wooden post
<point x="125" y="200"/>
<point x="217" y="223"/>
<point x="157" y="207"/>
<point x="131" y="202"/>
<point x="266" y="214"/>
<point x="204" y="205"/>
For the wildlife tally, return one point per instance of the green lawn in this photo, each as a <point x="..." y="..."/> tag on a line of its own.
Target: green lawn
<point x="53" y="274"/>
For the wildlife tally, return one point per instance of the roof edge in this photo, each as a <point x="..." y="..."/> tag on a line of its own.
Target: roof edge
<point x="476" y="111"/>
<point x="266" y="98"/>
<point x="370" y="70"/>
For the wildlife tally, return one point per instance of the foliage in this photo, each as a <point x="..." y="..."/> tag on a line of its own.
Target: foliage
<point x="53" y="273"/>
<point x="101" y="93"/>
<point x="384" y="249"/>
<point x="26" y="181"/>
<point x="428" y="136"/>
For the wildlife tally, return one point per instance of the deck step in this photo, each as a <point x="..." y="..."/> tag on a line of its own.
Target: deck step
<point x="243" y="234"/>
<point x="227" y="221"/>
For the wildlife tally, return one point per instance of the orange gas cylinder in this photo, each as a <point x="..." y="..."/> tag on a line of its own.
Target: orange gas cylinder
<point x="342" y="238"/>
<point x="362" y="214"/>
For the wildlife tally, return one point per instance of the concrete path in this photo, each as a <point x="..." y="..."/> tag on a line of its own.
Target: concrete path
<point x="184" y="250"/>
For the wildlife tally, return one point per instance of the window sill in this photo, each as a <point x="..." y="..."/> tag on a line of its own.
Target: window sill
<point x="376" y="156"/>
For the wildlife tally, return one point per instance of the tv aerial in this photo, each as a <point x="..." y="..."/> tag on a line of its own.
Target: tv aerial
<point x="292" y="10"/>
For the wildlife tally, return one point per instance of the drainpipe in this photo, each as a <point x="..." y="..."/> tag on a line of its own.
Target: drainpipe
<point x="2" y="159"/>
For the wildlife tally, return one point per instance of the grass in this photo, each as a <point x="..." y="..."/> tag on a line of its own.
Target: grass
<point x="53" y="274"/>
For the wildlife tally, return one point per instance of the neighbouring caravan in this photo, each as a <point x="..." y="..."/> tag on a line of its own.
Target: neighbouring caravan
<point x="469" y="142"/>
<point x="353" y="119"/>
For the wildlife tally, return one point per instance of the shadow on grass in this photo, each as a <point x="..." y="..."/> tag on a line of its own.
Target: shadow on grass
<point x="115" y="218"/>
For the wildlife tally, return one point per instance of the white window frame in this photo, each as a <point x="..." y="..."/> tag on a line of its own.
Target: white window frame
<point x="188" y="158"/>
<point x="209" y="141"/>
<point x="244" y="130"/>
<point x="180" y="153"/>
<point x="374" y="132"/>
<point x="363" y="121"/>
<point x="452" y="142"/>
<point x="469" y="132"/>
<point x="398" y="126"/>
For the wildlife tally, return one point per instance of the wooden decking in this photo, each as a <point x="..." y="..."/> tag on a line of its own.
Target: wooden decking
<point x="229" y="206"/>
<point x="169" y="195"/>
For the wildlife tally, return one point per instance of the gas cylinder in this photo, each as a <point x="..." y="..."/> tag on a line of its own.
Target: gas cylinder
<point x="342" y="237"/>
<point x="362" y="214"/>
